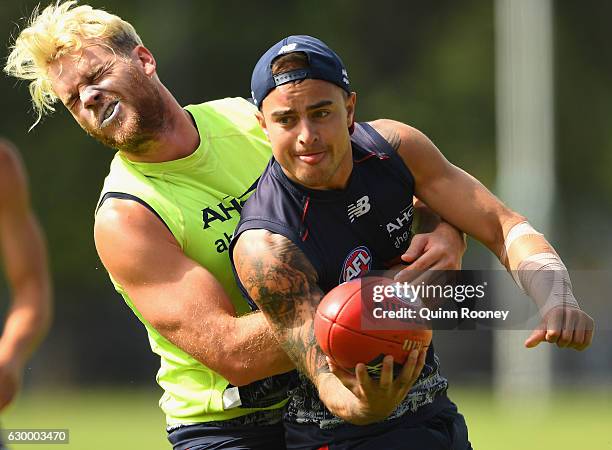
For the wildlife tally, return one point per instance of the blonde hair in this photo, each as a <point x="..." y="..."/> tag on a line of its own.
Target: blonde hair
<point x="60" y="29"/>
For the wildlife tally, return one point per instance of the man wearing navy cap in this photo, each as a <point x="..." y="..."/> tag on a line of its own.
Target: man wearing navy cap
<point x="165" y="216"/>
<point x="334" y="188"/>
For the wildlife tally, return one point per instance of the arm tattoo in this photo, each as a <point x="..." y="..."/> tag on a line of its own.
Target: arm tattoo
<point x="390" y="133"/>
<point x="280" y="279"/>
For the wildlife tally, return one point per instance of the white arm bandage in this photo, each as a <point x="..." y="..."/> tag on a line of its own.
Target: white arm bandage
<point x="541" y="274"/>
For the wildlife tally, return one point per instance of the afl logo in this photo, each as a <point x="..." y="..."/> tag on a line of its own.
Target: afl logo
<point x="357" y="263"/>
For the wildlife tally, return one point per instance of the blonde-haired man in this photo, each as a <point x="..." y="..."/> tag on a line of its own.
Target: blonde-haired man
<point x="165" y="217"/>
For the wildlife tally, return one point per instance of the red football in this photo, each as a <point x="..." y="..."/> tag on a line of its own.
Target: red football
<point x="349" y="337"/>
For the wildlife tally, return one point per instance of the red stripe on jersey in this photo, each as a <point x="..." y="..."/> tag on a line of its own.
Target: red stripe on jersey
<point x="305" y="208"/>
<point x="371" y="155"/>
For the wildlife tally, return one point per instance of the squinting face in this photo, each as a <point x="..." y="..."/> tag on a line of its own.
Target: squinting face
<point x="114" y="98"/>
<point x="307" y="124"/>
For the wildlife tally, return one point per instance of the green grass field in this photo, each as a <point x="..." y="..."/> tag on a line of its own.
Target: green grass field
<point x="123" y="419"/>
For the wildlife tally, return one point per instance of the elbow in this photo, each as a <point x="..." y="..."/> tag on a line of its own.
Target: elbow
<point x="237" y="378"/>
<point x="496" y="239"/>
<point x="236" y="372"/>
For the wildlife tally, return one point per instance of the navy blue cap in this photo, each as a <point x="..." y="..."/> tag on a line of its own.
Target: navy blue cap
<point x="324" y="64"/>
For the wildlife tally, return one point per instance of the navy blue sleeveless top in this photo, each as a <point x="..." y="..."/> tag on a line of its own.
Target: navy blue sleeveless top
<point x="344" y="234"/>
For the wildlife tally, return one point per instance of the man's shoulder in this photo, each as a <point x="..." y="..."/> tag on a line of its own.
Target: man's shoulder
<point x="276" y="203"/>
<point x="119" y="216"/>
<point x="394" y="130"/>
<point x="413" y="146"/>
<point x="234" y="108"/>
<point x="118" y="219"/>
<point x="270" y="194"/>
<point x="227" y="118"/>
<point x="238" y="103"/>
<point x="126" y="177"/>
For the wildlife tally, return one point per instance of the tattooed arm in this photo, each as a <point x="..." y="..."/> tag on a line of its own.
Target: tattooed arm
<point x="283" y="283"/>
<point x="280" y="279"/>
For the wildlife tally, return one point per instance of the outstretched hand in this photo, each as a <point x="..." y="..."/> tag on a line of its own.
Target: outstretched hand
<point x="374" y="400"/>
<point x="566" y="326"/>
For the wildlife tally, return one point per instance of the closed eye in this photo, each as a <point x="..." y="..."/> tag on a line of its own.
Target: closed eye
<point x="100" y="71"/>
<point x="69" y="102"/>
<point x="97" y="74"/>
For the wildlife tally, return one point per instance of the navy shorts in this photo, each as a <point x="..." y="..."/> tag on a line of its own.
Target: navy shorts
<point x="248" y="437"/>
<point x="446" y="430"/>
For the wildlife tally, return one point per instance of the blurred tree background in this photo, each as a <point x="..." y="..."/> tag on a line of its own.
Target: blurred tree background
<point x="430" y="64"/>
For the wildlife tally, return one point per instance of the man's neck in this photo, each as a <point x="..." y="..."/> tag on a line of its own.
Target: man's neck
<point x="179" y="137"/>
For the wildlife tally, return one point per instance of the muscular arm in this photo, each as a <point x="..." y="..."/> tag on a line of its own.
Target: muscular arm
<point x="25" y="264"/>
<point x="456" y="196"/>
<point x="283" y="283"/>
<point x="463" y="201"/>
<point x="181" y="299"/>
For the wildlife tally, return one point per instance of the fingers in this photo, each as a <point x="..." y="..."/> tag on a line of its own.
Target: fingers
<point x="565" y="326"/>
<point x="579" y="334"/>
<point x="588" y="325"/>
<point x="363" y="379"/>
<point x="386" y="375"/>
<point x="554" y="324"/>
<point x="420" y="363"/>
<point x="411" y="370"/>
<point x="588" y="337"/>
<point x="567" y="333"/>
<point x="428" y="256"/>
<point x="427" y="260"/>
<point x="536" y="337"/>
<point x="416" y="248"/>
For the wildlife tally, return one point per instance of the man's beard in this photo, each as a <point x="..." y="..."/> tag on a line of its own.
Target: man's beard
<point x="144" y="125"/>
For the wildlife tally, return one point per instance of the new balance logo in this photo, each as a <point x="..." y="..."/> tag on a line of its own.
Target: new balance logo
<point x="359" y="208"/>
<point x="345" y="76"/>
<point x="287" y="48"/>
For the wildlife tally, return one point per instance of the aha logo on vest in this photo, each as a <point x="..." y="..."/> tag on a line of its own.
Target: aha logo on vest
<point x="223" y="212"/>
<point x="357" y="263"/>
<point x="228" y="204"/>
<point x="229" y="208"/>
<point x="401" y="225"/>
